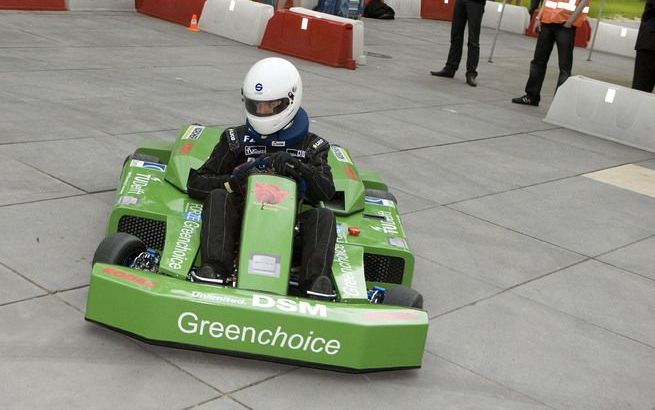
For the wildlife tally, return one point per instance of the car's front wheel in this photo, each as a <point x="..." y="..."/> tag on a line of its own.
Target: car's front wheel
<point x="403" y="296"/>
<point x="119" y="249"/>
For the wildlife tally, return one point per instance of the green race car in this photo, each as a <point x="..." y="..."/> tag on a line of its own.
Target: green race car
<point x="143" y="277"/>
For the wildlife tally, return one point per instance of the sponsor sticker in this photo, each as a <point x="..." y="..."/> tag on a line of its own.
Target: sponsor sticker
<point x="278" y="143"/>
<point x="269" y="193"/>
<point x="128" y="200"/>
<point x="379" y="201"/>
<point x="387" y="224"/>
<point x="192" y="212"/>
<point x="129" y="277"/>
<point x="138" y="184"/>
<point x="254" y="150"/>
<point x="298" y="153"/>
<point x="265" y="265"/>
<point x="341" y="154"/>
<point x="397" y="242"/>
<point x="193" y="132"/>
<point x="148" y="165"/>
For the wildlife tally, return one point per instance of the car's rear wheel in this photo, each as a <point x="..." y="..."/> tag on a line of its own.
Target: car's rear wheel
<point x="378" y="193"/>
<point x="119" y="249"/>
<point x="403" y="296"/>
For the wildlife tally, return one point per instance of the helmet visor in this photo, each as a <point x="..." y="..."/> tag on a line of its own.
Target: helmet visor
<point x="266" y="108"/>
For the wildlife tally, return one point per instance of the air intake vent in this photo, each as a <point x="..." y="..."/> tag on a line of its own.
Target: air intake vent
<point x="380" y="268"/>
<point x="151" y="232"/>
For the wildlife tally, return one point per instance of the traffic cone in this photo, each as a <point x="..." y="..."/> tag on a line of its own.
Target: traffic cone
<point x="194" y="24"/>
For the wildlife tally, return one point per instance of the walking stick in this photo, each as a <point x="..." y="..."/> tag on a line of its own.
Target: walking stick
<point x="500" y="19"/>
<point x="593" y="40"/>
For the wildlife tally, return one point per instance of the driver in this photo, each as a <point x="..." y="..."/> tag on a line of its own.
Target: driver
<point x="276" y="126"/>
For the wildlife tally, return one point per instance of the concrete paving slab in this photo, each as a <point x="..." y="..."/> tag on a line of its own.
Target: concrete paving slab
<point x="611" y="298"/>
<point x="357" y="144"/>
<point x="28" y="121"/>
<point x="615" y="153"/>
<point x="439" y="384"/>
<point x="221" y="404"/>
<point x="75" y="298"/>
<point x="13" y="37"/>
<point x="482" y="250"/>
<point x="21" y="183"/>
<point x="408" y="202"/>
<point x="52" y="242"/>
<point x="555" y="358"/>
<point x="444" y="289"/>
<point x="579" y="214"/>
<point x="638" y="258"/>
<point x="224" y="373"/>
<point x="81" y="366"/>
<point x="73" y="160"/>
<point x="15" y="288"/>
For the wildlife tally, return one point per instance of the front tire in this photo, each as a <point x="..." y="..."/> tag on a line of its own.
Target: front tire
<point x="403" y="296"/>
<point x="378" y="193"/>
<point x="119" y="249"/>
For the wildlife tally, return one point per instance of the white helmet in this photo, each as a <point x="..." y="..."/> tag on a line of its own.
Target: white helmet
<point x="272" y="93"/>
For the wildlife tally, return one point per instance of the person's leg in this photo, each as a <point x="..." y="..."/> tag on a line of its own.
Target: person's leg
<point x="539" y="63"/>
<point x="474" y="11"/>
<point x="318" y="236"/>
<point x="644" y="74"/>
<point x="565" y="39"/>
<point x="221" y="220"/>
<point x="457" y="36"/>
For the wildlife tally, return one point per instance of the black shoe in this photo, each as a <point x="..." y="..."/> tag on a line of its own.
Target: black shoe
<point x="443" y="73"/>
<point x="208" y="273"/>
<point x="321" y="289"/>
<point x="526" y="100"/>
<point x="470" y="80"/>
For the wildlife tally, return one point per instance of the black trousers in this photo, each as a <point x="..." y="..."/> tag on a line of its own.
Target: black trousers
<point x="549" y="35"/>
<point x="221" y="224"/>
<point x="471" y="11"/>
<point x="644" y="76"/>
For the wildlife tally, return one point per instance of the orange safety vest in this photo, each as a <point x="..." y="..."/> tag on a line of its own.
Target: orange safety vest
<point x="558" y="12"/>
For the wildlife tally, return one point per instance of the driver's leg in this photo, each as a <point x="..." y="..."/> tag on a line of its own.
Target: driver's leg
<point x="318" y="236"/>
<point x="221" y="219"/>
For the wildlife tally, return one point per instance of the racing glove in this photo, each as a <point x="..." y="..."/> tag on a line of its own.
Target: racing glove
<point x="282" y="163"/>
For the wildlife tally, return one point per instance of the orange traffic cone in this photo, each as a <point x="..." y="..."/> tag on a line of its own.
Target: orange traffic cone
<point x="194" y="24"/>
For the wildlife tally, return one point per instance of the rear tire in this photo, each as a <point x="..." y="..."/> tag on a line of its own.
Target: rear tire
<point x="378" y="193"/>
<point x="403" y="296"/>
<point x="118" y="249"/>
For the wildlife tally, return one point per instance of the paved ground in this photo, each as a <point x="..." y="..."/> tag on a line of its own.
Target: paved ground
<point x="538" y="280"/>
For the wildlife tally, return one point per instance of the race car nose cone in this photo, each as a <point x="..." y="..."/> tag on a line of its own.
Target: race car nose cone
<point x="353" y="230"/>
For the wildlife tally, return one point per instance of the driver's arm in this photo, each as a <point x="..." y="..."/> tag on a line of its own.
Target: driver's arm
<point x="214" y="173"/>
<point x="317" y="175"/>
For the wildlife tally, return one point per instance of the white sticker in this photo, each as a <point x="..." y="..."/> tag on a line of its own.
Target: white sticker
<point x="266" y="265"/>
<point x="303" y="24"/>
<point x="232" y="4"/>
<point x="340" y="154"/>
<point x="624" y="32"/>
<point x="193" y="132"/>
<point x="128" y="200"/>
<point x="609" y="97"/>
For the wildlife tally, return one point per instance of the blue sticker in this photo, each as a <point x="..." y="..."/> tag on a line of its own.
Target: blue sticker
<point x="192" y="216"/>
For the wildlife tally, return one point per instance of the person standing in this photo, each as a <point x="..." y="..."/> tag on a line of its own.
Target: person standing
<point x="556" y="24"/>
<point x="470" y="11"/>
<point x="644" y="75"/>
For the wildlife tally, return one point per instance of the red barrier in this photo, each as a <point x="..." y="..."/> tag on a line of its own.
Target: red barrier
<point x="320" y="40"/>
<point x="437" y="9"/>
<point x="582" y="33"/>
<point x="55" y="5"/>
<point x="177" y="11"/>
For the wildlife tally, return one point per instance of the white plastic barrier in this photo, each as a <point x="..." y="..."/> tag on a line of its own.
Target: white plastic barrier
<point x="240" y="20"/>
<point x="405" y="8"/>
<point x="120" y="5"/>
<point x="358" y="30"/>
<point x="605" y="110"/>
<point x="308" y="4"/>
<point x="515" y="18"/>
<point x="615" y="39"/>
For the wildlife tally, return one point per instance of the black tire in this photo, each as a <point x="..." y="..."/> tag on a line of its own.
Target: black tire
<point x="118" y="248"/>
<point x="142" y="157"/>
<point x="403" y="296"/>
<point x="378" y="193"/>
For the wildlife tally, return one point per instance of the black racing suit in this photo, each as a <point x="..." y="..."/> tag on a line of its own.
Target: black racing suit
<point x="222" y="210"/>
